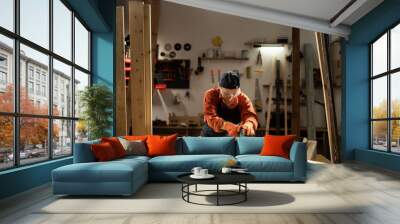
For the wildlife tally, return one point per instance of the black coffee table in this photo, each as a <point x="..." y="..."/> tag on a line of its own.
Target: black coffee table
<point x="238" y="179"/>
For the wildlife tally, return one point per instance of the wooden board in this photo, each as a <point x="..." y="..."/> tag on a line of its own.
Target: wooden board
<point x="120" y="98"/>
<point x="269" y="109"/>
<point x="285" y="101"/>
<point x="137" y="81"/>
<point x="269" y="98"/>
<point x="310" y="92"/>
<point x="148" y="69"/>
<point x="296" y="82"/>
<point x="328" y="98"/>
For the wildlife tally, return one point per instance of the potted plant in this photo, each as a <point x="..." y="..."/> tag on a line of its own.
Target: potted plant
<point x="96" y="102"/>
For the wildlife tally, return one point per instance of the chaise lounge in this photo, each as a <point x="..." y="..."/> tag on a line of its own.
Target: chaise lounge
<point x="125" y="176"/>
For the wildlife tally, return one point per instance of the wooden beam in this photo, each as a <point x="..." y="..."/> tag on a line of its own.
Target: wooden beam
<point x="155" y="21"/>
<point x="148" y="68"/>
<point x="120" y="114"/>
<point x="309" y="56"/>
<point x="137" y="79"/>
<point x="296" y="82"/>
<point x="328" y="98"/>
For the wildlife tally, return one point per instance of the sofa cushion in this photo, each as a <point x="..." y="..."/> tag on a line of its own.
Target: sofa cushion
<point x="208" y="145"/>
<point x="249" y="145"/>
<point x="116" y="145"/>
<point x="257" y="163"/>
<point x="277" y="145"/>
<point x="103" y="152"/>
<point x="111" y="171"/>
<point x="161" y="145"/>
<point x="136" y="147"/>
<point x="185" y="163"/>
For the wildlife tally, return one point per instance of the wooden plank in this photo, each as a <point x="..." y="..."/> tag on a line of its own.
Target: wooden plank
<point x="296" y="82"/>
<point x="328" y="98"/>
<point x="120" y="113"/>
<point x="148" y="68"/>
<point x="137" y="81"/>
<point x="310" y="92"/>
<point x="285" y="104"/>
<point x="269" y="97"/>
<point x="269" y="108"/>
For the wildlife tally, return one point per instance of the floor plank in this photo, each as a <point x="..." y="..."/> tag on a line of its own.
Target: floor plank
<point x="376" y="190"/>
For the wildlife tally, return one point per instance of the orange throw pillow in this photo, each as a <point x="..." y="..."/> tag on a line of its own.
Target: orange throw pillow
<point x="161" y="145"/>
<point x="116" y="145"/>
<point x="136" y="137"/>
<point x="277" y="145"/>
<point x="103" y="152"/>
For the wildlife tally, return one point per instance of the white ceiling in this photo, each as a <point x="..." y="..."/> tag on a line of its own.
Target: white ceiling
<point x="314" y="15"/>
<point x="320" y="9"/>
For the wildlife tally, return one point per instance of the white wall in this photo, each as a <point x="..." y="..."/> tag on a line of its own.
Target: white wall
<point x="182" y="24"/>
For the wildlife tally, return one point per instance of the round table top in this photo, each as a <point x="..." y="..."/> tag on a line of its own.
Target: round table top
<point x="220" y="178"/>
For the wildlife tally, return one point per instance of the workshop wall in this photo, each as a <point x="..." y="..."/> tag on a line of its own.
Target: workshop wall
<point x="183" y="24"/>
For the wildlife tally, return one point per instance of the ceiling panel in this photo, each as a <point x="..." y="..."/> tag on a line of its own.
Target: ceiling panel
<point x="320" y="9"/>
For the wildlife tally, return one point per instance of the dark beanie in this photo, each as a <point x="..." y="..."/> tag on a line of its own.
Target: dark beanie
<point x="230" y="80"/>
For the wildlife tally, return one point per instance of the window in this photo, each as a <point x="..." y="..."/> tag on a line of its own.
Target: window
<point x="44" y="91"/>
<point x="48" y="75"/>
<point x="35" y="21"/>
<point x="7" y="73"/>
<point x="7" y="14"/>
<point x="38" y="89"/>
<point x="385" y="94"/>
<point x="81" y="45"/>
<point x="3" y="78"/>
<point x="6" y="142"/>
<point x="62" y="29"/>
<point x="30" y="87"/>
<point x="3" y="61"/>
<point x="62" y="74"/>
<point x="37" y="74"/>
<point x="30" y="72"/>
<point x="81" y="81"/>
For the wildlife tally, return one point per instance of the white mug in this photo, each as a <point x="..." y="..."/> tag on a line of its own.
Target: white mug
<point x="203" y="172"/>
<point x="196" y="170"/>
<point x="226" y="170"/>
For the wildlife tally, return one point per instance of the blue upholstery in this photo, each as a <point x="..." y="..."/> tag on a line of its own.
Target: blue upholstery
<point x="257" y="163"/>
<point x="249" y="145"/>
<point x="184" y="163"/>
<point x="298" y="155"/>
<point x="126" y="175"/>
<point x="119" y="177"/>
<point x="83" y="152"/>
<point x="208" y="145"/>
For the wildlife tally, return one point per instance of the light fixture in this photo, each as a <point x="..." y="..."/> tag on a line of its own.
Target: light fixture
<point x="268" y="45"/>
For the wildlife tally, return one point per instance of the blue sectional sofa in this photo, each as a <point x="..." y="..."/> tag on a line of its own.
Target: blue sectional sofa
<point x="125" y="176"/>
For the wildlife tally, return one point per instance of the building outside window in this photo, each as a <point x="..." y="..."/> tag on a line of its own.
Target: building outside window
<point x="43" y="90"/>
<point x="385" y="91"/>
<point x="3" y="78"/>
<point x="30" y="72"/>
<point x="37" y="75"/>
<point x="58" y="128"/>
<point x="30" y="87"/>
<point x="3" y="72"/>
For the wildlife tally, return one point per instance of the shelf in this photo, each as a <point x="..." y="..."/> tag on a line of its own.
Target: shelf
<point x="225" y="59"/>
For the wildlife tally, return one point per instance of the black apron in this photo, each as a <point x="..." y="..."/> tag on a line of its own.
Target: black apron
<point x="232" y="115"/>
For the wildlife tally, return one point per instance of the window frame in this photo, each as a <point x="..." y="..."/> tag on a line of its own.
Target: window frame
<point x="16" y="114"/>
<point x="388" y="74"/>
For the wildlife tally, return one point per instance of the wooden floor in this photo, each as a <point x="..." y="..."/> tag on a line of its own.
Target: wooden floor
<point x="378" y="189"/>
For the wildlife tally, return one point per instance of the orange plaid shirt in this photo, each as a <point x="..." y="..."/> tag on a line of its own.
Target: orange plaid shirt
<point x="212" y="97"/>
